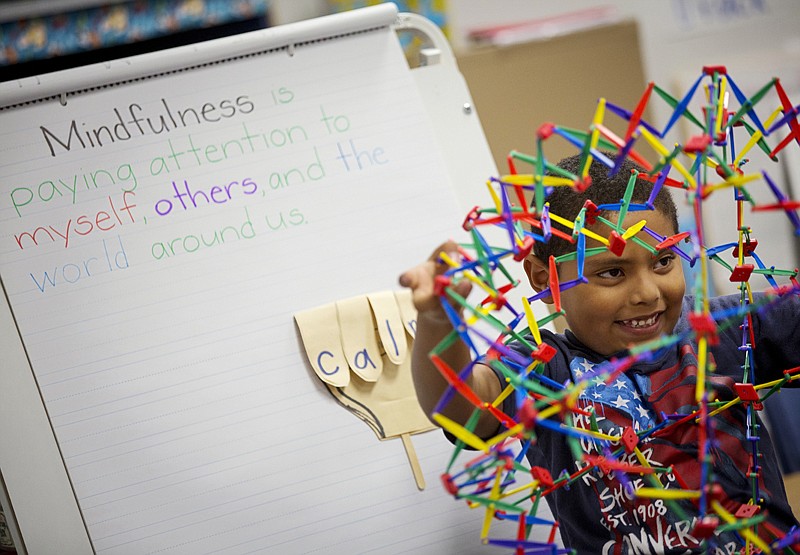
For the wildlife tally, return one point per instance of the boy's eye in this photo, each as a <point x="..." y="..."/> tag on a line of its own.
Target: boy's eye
<point x="613" y="273"/>
<point x="665" y="261"/>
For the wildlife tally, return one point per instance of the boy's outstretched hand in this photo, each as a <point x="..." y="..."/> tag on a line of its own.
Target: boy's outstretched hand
<point x="421" y="280"/>
<point x="432" y="327"/>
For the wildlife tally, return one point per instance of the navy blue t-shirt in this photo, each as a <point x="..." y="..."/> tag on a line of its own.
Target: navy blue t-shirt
<point x="597" y="514"/>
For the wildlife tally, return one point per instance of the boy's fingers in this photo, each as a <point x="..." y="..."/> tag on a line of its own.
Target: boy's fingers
<point x="418" y="276"/>
<point x="420" y="279"/>
<point x="463" y="288"/>
<point x="407" y="280"/>
<point x="448" y="247"/>
<point x="433" y="266"/>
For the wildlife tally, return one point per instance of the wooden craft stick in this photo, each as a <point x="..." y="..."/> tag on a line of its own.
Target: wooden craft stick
<point x="411" y="453"/>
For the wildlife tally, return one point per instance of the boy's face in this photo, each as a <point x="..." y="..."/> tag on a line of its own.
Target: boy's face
<point x="629" y="299"/>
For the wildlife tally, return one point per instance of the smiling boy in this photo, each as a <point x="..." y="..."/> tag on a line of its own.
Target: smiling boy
<point x="629" y="299"/>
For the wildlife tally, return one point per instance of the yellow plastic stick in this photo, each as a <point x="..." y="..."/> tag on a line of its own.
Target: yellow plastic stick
<point x="724" y="407"/>
<point x="599" y="112"/>
<point x="502" y="397"/>
<point x="553" y="180"/>
<point x="660" y="493"/>
<point x="702" y="355"/>
<point x="460" y="432"/>
<point x="642" y="459"/>
<point x="533" y="325"/>
<point x="500" y="438"/>
<point x="497" y="204"/>
<point x="571" y="225"/>
<point x="527" y="179"/>
<point x="449" y="261"/>
<point x="732" y="181"/>
<point x="518" y="179"/>
<point x="746" y="532"/>
<point x="479" y="282"/>
<point x="661" y="149"/>
<point x="652" y="141"/>
<point x="487" y="522"/>
<point x="493" y="496"/>
<point x="721" y="105"/>
<point x="529" y="485"/>
<point x="756" y="137"/>
<point x="595" y="236"/>
<point x="634" y="229"/>
<point x="563" y="221"/>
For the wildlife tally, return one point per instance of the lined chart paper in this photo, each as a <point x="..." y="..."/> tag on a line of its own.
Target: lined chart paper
<point x="156" y="238"/>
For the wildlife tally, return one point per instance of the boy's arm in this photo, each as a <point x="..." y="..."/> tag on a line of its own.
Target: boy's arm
<point x="432" y="327"/>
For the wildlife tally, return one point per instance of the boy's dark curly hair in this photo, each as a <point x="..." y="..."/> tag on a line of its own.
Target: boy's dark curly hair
<point x="567" y="202"/>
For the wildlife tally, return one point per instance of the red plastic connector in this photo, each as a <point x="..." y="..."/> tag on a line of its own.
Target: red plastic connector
<point x="704" y="326"/>
<point x="580" y="185"/>
<point x="472" y="217"/>
<point x="629" y="439"/>
<point x="747" y="511"/>
<point x="591" y="212"/>
<point x="527" y="414"/>
<point x="616" y="244"/>
<point x="747" y="248"/>
<point x="542" y="475"/>
<point x="697" y="144"/>
<point x="544" y="352"/>
<point x="440" y="283"/>
<point x="714" y="492"/>
<point x="449" y="486"/>
<point x="545" y="130"/>
<point x="748" y="394"/>
<point x="672" y="240"/>
<point x="741" y="272"/>
<point x="524" y="250"/>
<point x="711" y="70"/>
<point x="705" y="527"/>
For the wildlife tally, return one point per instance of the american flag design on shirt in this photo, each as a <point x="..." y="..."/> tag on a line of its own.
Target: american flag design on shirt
<point x="620" y="393"/>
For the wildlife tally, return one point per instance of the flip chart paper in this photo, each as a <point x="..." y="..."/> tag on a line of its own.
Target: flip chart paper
<point x="153" y="279"/>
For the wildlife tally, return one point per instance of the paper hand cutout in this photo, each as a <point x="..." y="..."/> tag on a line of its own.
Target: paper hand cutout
<point x="371" y="336"/>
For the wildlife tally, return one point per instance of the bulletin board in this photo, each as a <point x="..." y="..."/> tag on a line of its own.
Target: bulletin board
<point x="162" y="218"/>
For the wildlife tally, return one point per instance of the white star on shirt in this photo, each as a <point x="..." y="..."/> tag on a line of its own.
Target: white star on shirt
<point x="642" y="411"/>
<point x="619" y="384"/>
<point x="637" y="396"/>
<point x="620" y="402"/>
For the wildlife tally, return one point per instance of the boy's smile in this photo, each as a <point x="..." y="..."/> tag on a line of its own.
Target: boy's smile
<point x="628" y="299"/>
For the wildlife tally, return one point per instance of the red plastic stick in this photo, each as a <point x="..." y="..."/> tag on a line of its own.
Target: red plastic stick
<point x="453" y="379"/>
<point x="554" y="290"/>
